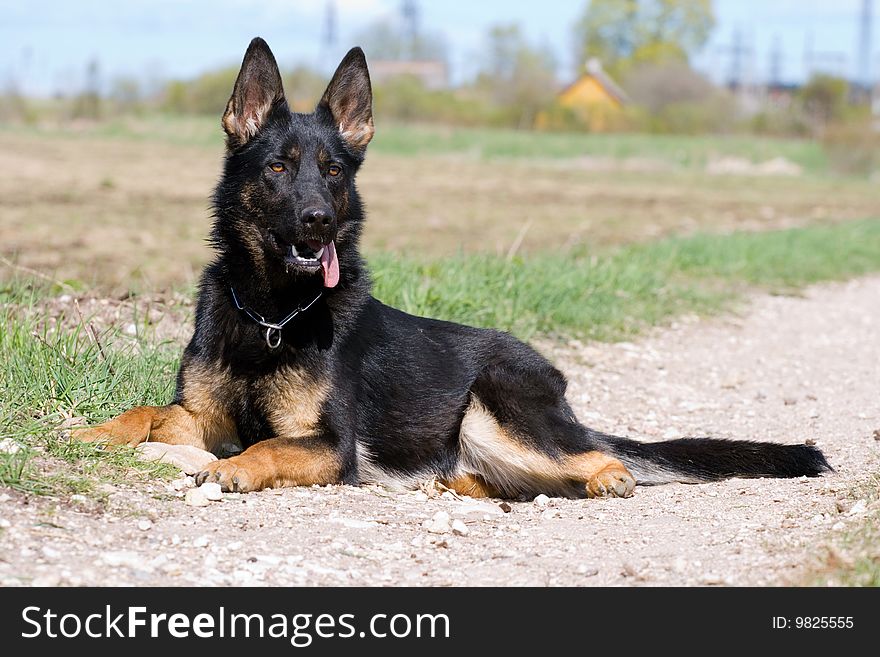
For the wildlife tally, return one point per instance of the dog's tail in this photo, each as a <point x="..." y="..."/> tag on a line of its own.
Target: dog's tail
<point x="696" y="460"/>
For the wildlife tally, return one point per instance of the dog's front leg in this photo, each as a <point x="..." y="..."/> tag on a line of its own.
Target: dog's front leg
<point x="172" y="424"/>
<point x="275" y="463"/>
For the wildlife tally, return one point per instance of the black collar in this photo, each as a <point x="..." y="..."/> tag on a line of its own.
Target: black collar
<point x="273" y="329"/>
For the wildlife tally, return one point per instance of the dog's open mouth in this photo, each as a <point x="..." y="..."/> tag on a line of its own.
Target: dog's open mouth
<point x="312" y="256"/>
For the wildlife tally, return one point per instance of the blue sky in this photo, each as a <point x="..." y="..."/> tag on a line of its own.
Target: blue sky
<point x="45" y="46"/>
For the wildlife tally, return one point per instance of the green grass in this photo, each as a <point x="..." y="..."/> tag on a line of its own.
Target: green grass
<point x="677" y="151"/>
<point x="854" y="558"/>
<point x="613" y="296"/>
<point x="51" y="373"/>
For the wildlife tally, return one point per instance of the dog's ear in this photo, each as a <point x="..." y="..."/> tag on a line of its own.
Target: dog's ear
<point x="257" y="90"/>
<point x="349" y="99"/>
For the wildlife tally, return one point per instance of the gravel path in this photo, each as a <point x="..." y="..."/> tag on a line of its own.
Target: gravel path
<point x="787" y="369"/>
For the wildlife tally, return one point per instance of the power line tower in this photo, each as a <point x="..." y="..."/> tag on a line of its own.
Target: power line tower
<point x="327" y="47"/>
<point x="329" y="35"/>
<point x="409" y="12"/>
<point x="740" y="54"/>
<point x="775" y="68"/>
<point x="864" y="79"/>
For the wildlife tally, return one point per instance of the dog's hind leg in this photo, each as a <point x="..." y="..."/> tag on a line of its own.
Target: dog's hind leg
<point x="519" y="438"/>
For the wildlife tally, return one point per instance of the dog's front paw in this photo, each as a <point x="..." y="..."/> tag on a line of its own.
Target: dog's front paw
<point x="611" y="481"/>
<point x="234" y="475"/>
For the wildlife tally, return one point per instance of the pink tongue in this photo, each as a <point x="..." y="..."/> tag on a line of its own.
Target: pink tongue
<point x="330" y="265"/>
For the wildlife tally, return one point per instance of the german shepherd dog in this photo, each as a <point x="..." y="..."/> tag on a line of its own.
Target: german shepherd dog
<point x="294" y="361"/>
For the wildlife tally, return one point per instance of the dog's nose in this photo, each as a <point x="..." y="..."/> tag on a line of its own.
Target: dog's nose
<point x="317" y="217"/>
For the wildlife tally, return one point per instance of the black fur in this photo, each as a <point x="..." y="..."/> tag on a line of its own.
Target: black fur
<point x="399" y="384"/>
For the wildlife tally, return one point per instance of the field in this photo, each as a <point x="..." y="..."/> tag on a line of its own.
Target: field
<point x="556" y="238"/>
<point x="124" y="206"/>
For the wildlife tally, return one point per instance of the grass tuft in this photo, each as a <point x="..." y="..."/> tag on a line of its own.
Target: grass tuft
<point x="614" y="296"/>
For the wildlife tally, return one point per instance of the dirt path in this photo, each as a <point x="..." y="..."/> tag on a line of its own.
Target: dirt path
<point x="788" y="369"/>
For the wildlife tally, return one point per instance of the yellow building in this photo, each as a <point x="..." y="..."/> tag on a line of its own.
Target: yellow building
<point x="594" y="101"/>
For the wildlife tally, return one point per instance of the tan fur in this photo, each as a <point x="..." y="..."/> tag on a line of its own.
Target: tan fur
<point x="243" y="126"/>
<point x="202" y="386"/>
<point x="471" y="485"/>
<point x="493" y="459"/>
<point x="358" y="135"/>
<point x="503" y="460"/>
<point x="275" y="463"/>
<point x="294" y="399"/>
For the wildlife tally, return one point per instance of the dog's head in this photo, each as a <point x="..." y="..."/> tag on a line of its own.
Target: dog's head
<point x="287" y="198"/>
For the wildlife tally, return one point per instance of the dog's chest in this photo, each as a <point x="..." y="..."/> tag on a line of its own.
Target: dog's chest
<point x="286" y="403"/>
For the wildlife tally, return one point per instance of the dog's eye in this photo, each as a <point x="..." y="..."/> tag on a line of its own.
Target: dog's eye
<point x="277" y="167"/>
<point x="334" y="170"/>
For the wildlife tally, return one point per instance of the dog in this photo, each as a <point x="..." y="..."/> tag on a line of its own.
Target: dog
<point x="295" y="362"/>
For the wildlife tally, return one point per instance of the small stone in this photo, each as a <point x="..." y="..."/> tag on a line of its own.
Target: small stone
<point x="549" y="514"/>
<point x="230" y="449"/>
<point x="858" y="508"/>
<point x="837" y="526"/>
<point x="504" y="506"/>
<point x="354" y="523"/>
<point x="459" y="528"/>
<point x="438" y="524"/>
<point x="477" y="508"/>
<point x="79" y="499"/>
<point x="130" y="329"/>
<point x="810" y="442"/>
<point x="9" y="446"/>
<point x="51" y="553"/>
<point x="789" y="401"/>
<point x="182" y="483"/>
<point x="200" y="542"/>
<point x="191" y="460"/>
<point x="419" y="496"/>
<point x="122" y="558"/>
<point x="5" y="524"/>
<point x="196" y="497"/>
<point x="587" y="571"/>
<point x="876" y="434"/>
<point x="541" y="500"/>
<point x="144" y="525"/>
<point x="212" y="491"/>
